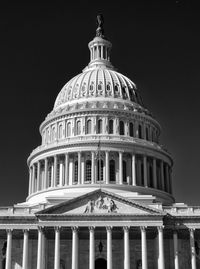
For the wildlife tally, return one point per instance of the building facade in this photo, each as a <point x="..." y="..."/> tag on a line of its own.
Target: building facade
<point x="100" y="184"/>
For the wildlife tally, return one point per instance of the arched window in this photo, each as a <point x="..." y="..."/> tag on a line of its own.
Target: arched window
<point x="60" y="132"/>
<point x="131" y="129"/>
<point x="78" y="128"/>
<point x="108" y="87"/>
<point x="124" y="172"/>
<point x="147" y="133"/>
<point x="88" y="170"/>
<point x="139" y="131"/>
<point x="110" y="131"/>
<point x="99" y="126"/>
<point x="100" y="170"/>
<point x="121" y="128"/>
<point x="69" y="129"/>
<point x="112" y="170"/>
<point x="89" y="127"/>
<point x="76" y="172"/>
<point x="116" y="90"/>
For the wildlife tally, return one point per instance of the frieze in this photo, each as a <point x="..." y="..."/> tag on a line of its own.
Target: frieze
<point x="101" y="205"/>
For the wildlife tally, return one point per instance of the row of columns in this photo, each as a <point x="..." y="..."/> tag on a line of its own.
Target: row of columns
<point x="43" y="180"/>
<point x="75" y="255"/>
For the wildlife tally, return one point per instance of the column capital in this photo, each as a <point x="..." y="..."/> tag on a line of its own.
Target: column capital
<point x="9" y="231"/>
<point x="25" y="231"/>
<point x="143" y="228"/>
<point x="160" y="228"/>
<point x="57" y="228"/>
<point x="192" y="229"/>
<point x="109" y="228"/>
<point x="41" y="229"/>
<point x="91" y="228"/>
<point x="126" y="228"/>
<point x="74" y="228"/>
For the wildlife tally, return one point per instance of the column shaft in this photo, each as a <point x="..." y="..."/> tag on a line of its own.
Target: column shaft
<point x="33" y="179"/>
<point x="176" y="258"/>
<point x="61" y="173"/>
<point x="39" y="250"/>
<point x="55" y="171"/>
<point x="74" y="248"/>
<point x="79" y="168"/>
<point x="92" y="249"/>
<point x="25" y="251"/>
<point x="57" y="249"/>
<point x="145" y="171"/>
<point x="38" y="176"/>
<point x="107" y="167"/>
<point x="161" y="261"/>
<point x="93" y="167"/>
<point x="154" y="174"/>
<point x="30" y="181"/>
<point x="126" y="249"/>
<point x="192" y="249"/>
<point x="46" y="173"/>
<point x="133" y="171"/>
<point x="120" y="168"/>
<point x="144" y="248"/>
<point x="109" y="248"/>
<point x="9" y="250"/>
<point x="66" y="169"/>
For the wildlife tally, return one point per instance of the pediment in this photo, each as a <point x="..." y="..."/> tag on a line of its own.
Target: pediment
<point x="100" y="202"/>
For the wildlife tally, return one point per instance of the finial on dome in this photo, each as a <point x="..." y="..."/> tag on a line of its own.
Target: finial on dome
<point x="100" y="30"/>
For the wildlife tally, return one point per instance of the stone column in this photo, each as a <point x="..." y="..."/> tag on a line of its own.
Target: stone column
<point x="120" y="168"/>
<point x="154" y="174"/>
<point x="161" y="260"/>
<point x="92" y="249"/>
<point x="9" y="249"/>
<point x="33" y="179"/>
<point x="145" y="171"/>
<point x="30" y="181"/>
<point x="176" y="258"/>
<point x="79" y="168"/>
<point x="66" y="169"/>
<point x="55" y="171"/>
<point x="46" y="173"/>
<point x="144" y="248"/>
<point x="74" y="248"/>
<point x="38" y="175"/>
<point x="162" y="175"/>
<point x="133" y="171"/>
<point x="126" y="248"/>
<point x="57" y="248"/>
<point x="93" y="167"/>
<point x="52" y="174"/>
<point x="192" y="249"/>
<point x="39" y="250"/>
<point x="61" y="173"/>
<point x="107" y="167"/>
<point x="109" y="247"/>
<point x="25" y="251"/>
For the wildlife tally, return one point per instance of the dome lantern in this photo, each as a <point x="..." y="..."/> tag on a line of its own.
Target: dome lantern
<point x="100" y="48"/>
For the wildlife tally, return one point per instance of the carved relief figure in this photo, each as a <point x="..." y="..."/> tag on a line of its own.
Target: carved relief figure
<point x="89" y="207"/>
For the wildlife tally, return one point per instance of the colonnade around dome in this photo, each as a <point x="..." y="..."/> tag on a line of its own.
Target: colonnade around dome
<point x="99" y="167"/>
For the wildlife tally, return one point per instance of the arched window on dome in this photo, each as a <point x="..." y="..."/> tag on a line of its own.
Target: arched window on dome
<point x="116" y="89"/>
<point x="100" y="126"/>
<point x="139" y="131"/>
<point x="112" y="170"/>
<point x="100" y="170"/>
<point x="78" y="128"/>
<point x="76" y="172"/>
<point x="132" y="94"/>
<point x="104" y="52"/>
<point x="88" y="170"/>
<point x="60" y="132"/>
<point x="131" y="130"/>
<point x="89" y="127"/>
<point x="69" y="129"/>
<point x="124" y="94"/>
<point x="121" y="128"/>
<point x="110" y="127"/>
<point x="124" y="172"/>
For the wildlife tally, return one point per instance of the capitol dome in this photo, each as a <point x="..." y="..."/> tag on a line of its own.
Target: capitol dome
<point x="100" y="135"/>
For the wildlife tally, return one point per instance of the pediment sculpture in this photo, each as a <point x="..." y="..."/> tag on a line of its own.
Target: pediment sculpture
<point x="101" y="205"/>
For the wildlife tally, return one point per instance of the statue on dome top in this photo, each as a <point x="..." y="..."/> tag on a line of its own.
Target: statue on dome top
<point x="100" y="30"/>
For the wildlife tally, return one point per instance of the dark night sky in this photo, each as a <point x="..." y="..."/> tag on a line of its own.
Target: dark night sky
<point x="155" y="43"/>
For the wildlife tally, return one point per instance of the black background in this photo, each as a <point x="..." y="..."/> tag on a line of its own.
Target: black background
<point x="42" y="46"/>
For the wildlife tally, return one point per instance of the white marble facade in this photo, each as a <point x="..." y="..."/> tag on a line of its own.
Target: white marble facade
<point x="100" y="184"/>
